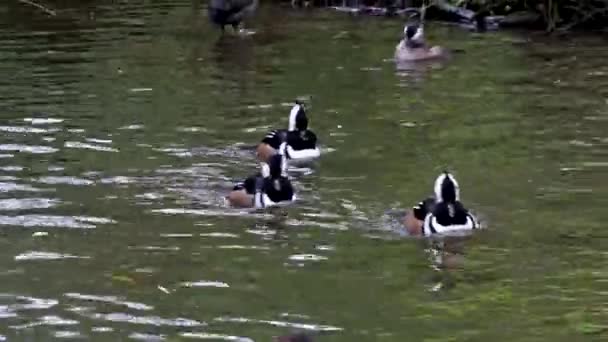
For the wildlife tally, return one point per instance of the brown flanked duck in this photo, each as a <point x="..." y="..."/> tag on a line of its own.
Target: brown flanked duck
<point x="269" y="188"/>
<point x="412" y="47"/>
<point x="442" y="214"/>
<point x="298" y="141"/>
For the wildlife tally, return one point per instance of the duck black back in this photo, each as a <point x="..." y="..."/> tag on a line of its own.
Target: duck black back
<point x="230" y="12"/>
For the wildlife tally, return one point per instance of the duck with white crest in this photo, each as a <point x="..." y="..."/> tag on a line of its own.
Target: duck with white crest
<point x="268" y="188"/>
<point x="443" y="214"/>
<point x="301" y="143"/>
<point x="413" y="47"/>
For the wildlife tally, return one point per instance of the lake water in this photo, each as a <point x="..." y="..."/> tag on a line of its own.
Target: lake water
<point x="125" y="123"/>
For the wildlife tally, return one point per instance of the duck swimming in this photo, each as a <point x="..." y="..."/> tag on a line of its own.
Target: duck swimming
<point x="442" y="214"/>
<point x="301" y="143"/>
<point x="230" y="12"/>
<point x="413" y="47"/>
<point x="268" y="188"/>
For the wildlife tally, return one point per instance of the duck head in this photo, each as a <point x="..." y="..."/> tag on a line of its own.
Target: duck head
<point x="446" y="188"/>
<point x="297" y="118"/>
<point x="412" y="32"/>
<point x="413" y="36"/>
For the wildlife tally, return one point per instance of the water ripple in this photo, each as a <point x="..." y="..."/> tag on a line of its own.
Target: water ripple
<point x="307" y="257"/>
<point x="145" y="320"/>
<point x="281" y="324"/>
<point x="251" y="247"/>
<point x="209" y="336"/>
<point x="11" y="168"/>
<point x="99" y="141"/>
<point x="42" y="121"/>
<point x="32" y="303"/>
<point x="47" y="320"/>
<point x="219" y="235"/>
<point x="10" y="187"/>
<point x="25" y="129"/>
<point x="146" y="337"/>
<point x="67" y="334"/>
<point x="109" y="299"/>
<point x="210" y="212"/>
<point x="28" y="148"/>
<point x="86" y="146"/>
<point x="64" y="180"/>
<point x="53" y="221"/>
<point x="205" y="283"/>
<point x="27" y="203"/>
<point x="33" y="255"/>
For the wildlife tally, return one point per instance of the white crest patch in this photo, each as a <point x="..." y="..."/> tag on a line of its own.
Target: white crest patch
<point x="419" y="35"/>
<point x="292" y="117"/>
<point x="265" y="170"/>
<point x="439" y="182"/>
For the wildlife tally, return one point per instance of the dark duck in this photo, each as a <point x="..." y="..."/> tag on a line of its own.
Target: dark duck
<point x="442" y="214"/>
<point x="300" y="142"/>
<point x="230" y="12"/>
<point x="268" y="188"/>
